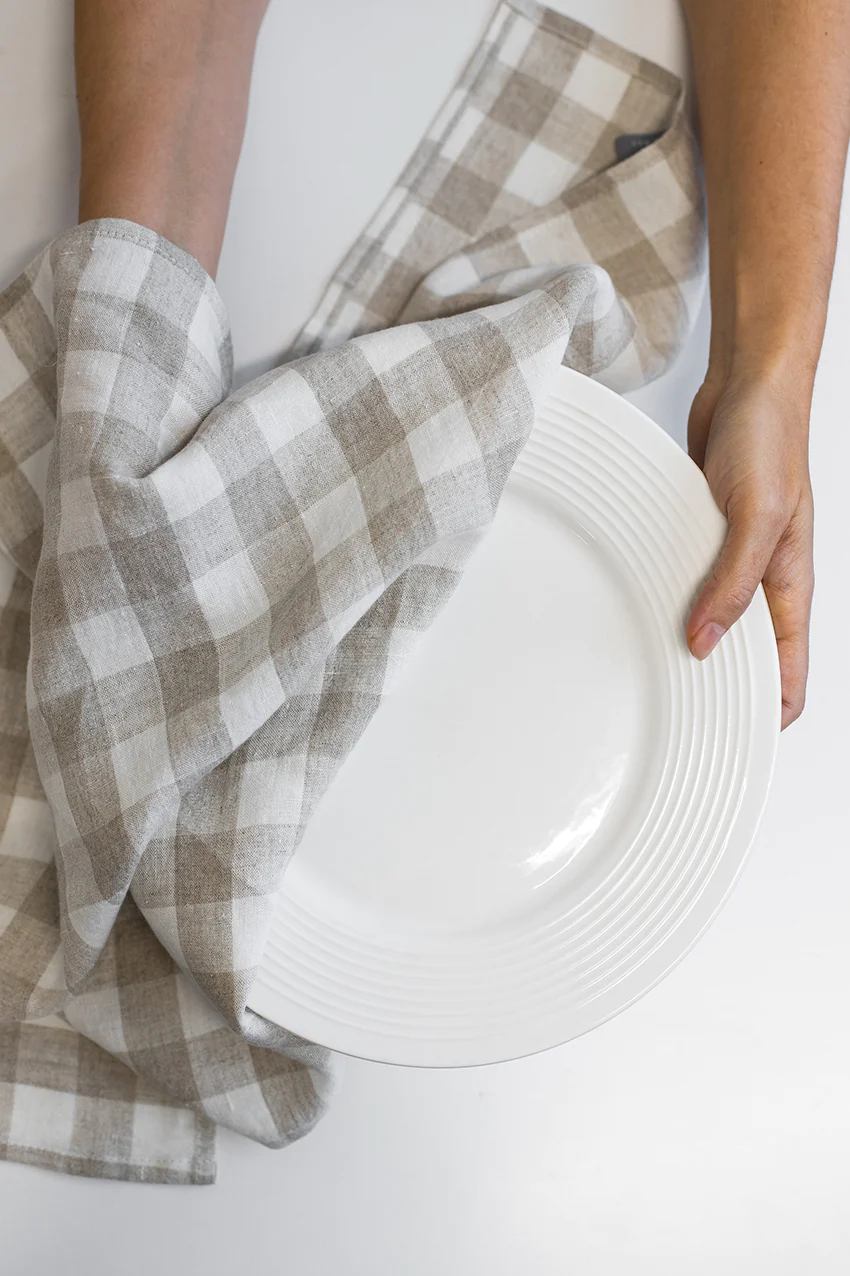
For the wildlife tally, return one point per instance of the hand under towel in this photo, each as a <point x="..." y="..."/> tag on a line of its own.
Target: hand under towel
<point x="206" y="593"/>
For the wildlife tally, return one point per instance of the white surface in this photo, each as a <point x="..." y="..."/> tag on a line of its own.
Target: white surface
<point x="703" y="1131"/>
<point x="556" y="798"/>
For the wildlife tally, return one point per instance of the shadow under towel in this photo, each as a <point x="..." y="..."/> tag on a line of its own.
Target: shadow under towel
<point x="205" y="594"/>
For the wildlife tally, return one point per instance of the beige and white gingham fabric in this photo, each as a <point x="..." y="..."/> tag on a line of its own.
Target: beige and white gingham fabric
<point x="205" y="594"/>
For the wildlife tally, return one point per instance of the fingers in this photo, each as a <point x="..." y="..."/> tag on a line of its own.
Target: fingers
<point x="750" y="545"/>
<point x="756" y="552"/>
<point x="749" y="435"/>
<point x="789" y="584"/>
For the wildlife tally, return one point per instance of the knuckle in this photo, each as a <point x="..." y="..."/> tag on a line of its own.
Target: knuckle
<point x="774" y="512"/>
<point x="798" y="590"/>
<point x="734" y="594"/>
<point x="791" y="578"/>
<point x="768" y="509"/>
<point x="796" y="545"/>
<point x="785" y="585"/>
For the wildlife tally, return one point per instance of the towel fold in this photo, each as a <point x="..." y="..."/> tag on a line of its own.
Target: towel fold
<point x="205" y="593"/>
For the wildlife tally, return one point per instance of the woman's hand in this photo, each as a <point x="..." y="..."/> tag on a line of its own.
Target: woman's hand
<point x="748" y="431"/>
<point x="773" y="85"/>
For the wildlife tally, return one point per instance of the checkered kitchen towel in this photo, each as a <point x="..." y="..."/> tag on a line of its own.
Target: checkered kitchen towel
<point x="206" y="594"/>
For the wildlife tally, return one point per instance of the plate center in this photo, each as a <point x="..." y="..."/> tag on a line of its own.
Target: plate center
<point x="506" y="768"/>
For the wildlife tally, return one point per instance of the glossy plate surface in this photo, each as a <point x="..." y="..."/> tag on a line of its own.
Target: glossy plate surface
<point x="557" y="798"/>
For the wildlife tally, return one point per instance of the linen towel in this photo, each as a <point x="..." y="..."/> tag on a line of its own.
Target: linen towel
<point x="205" y="594"/>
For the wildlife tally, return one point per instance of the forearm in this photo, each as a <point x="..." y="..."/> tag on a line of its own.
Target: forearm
<point x="773" y="82"/>
<point x="162" y="87"/>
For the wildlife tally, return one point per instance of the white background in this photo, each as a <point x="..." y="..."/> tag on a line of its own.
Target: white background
<point x="705" y="1130"/>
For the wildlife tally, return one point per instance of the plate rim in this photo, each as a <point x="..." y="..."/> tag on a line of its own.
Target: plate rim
<point x="580" y="391"/>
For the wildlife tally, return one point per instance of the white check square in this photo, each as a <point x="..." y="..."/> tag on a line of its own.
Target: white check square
<point x="35" y="468"/>
<point x="231" y="595"/>
<point x="142" y="765"/>
<point x="12" y="372"/>
<point x="540" y="175"/>
<point x="597" y="85"/>
<point x="251" y="701"/>
<point x="163" y="1136"/>
<point x="89" y="380"/>
<point x="303" y="410"/>
<point x="197" y="1016"/>
<point x="42" y="1118"/>
<point x="384" y="350"/>
<point x="517" y="40"/>
<point x="463" y="130"/>
<point x="335" y="518"/>
<point x="271" y="790"/>
<point x="655" y="199"/>
<point x="443" y="443"/>
<point x="117" y="269"/>
<point x="205" y="336"/>
<point x="404" y="227"/>
<point x="248" y="1104"/>
<point x="30" y="831"/>
<point x="187" y="482"/>
<point x="112" y="642"/>
<point x="100" y="1011"/>
<point x="249" y="916"/>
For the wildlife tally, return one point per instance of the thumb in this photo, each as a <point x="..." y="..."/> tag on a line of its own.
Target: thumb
<point x="727" y="594"/>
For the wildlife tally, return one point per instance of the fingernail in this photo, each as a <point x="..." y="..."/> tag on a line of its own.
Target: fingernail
<point x="706" y="639"/>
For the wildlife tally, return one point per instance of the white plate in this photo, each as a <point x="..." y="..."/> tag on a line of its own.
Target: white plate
<point x="556" y="800"/>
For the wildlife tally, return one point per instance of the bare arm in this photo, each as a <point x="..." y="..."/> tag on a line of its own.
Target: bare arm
<point x="773" y="82"/>
<point x="162" y="87"/>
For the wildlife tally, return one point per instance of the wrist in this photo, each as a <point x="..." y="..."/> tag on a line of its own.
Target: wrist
<point x="784" y="356"/>
<point x="790" y="367"/>
<point x="769" y="332"/>
<point x="780" y="374"/>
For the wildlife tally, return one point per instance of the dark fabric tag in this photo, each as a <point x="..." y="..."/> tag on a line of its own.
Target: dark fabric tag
<point x="629" y="143"/>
